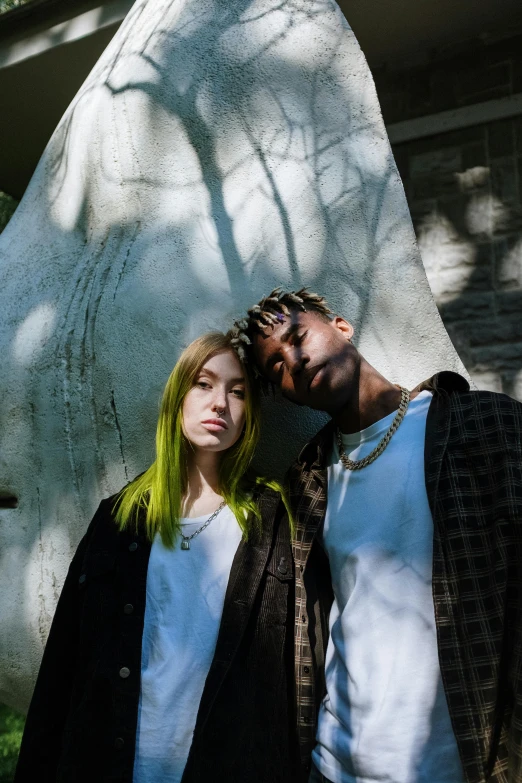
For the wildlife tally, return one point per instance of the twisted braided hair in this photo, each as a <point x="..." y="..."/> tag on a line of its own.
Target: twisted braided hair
<point x="270" y="311"/>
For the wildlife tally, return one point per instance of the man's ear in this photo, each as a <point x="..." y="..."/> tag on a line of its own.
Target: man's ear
<point x="343" y="326"/>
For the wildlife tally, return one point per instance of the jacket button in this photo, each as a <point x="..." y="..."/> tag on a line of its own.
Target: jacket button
<point x="133" y="547"/>
<point x="306" y="670"/>
<point x="303" y="618"/>
<point x="82" y="579"/>
<point x="124" y="672"/>
<point x="306" y="719"/>
<point x="128" y="609"/>
<point x="119" y="742"/>
<point x="282" y="566"/>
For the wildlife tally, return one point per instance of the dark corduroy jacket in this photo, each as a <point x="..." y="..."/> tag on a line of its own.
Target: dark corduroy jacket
<point x="82" y="721"/>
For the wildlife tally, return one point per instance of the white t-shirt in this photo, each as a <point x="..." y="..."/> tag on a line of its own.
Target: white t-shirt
<point x="184" y="604"/>
<point x="385" y="718"/>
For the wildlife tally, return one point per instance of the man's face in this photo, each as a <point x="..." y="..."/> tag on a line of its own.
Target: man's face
<point x="311" y="360"/>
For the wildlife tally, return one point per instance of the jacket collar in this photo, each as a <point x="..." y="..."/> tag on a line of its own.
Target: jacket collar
<point x="314" y="454"/>
<point x="444" y="383"/>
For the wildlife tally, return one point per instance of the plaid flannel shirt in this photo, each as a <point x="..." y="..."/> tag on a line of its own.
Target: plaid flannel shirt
<point x="473" y="474"/>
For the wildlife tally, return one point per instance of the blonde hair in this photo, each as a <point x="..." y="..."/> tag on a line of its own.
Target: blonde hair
<point x="158" y="493"/>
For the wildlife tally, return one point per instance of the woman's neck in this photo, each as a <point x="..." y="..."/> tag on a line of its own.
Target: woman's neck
<point x="202" y="495"/>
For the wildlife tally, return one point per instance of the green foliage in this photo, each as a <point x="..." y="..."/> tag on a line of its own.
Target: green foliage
<point x="7" y="207"/>
<point x="11" y="728"/>
<point x="7" y="5"/>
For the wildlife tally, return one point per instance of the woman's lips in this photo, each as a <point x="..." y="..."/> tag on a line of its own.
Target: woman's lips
<point x="214" y="425"/>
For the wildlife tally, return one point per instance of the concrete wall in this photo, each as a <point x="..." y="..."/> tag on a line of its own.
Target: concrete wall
<point x="217" y="149"/>
<point x="464" y="190"/>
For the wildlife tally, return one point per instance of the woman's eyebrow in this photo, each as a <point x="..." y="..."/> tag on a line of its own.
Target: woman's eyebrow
<point x="214" y="375"/>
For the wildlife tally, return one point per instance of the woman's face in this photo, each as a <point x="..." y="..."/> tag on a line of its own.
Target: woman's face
<point x="214" y="409"/>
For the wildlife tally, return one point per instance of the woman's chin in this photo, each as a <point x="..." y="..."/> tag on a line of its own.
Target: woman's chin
<point x="210" y="442"/>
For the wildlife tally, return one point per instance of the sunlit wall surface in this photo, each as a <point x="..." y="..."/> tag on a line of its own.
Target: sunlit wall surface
<point x="218" y="149"/>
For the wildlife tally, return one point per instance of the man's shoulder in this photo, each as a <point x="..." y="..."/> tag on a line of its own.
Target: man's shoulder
<point x="312" y="456"/>
<point x="490" y="420"/>
<point x="485" y="403"/>
<point x="452" y="392"/>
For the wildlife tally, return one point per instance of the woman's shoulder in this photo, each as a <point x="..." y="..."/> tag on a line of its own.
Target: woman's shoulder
<point x="103" y="524"/>
<point x="107" y="507"/>
<point x="270" y="502"/>
<point x="264" y="493"/>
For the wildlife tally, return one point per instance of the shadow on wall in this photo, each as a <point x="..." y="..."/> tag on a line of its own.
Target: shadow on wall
<point x="464" y="191"/>
<point x="195" y="91"/>
<point x="187" y="178"/>
<point x="225" y="91"/>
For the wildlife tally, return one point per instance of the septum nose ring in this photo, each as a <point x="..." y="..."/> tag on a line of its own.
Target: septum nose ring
<point x="220" y="411"/>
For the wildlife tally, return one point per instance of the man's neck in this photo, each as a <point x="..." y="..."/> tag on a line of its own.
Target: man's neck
<point x="373" y="398"/>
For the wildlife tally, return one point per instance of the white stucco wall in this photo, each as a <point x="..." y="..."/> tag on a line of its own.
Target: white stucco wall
<point x="219" y="148"/>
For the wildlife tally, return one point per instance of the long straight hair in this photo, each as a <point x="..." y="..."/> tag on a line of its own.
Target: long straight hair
<point x="158" y="493"/>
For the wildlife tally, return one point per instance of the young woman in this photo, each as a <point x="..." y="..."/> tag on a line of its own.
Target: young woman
<point x="170" y="655"/>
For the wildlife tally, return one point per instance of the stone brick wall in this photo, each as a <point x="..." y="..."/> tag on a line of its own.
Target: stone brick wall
<point x="464" y="189"/>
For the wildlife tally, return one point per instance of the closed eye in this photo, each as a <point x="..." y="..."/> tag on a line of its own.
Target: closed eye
<point x="298" y="338"/>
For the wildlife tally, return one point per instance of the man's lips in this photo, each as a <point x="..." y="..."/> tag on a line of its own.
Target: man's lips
<point x="311" y="375"/>
<point x="214" y="425"/>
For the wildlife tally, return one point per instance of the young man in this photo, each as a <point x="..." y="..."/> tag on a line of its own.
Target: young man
<point x="408" y="505"/>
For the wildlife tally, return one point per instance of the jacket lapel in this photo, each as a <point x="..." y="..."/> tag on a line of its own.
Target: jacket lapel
<point x="247" y="569"/>
<point x="308" y="481"/>
<point x="442" y="385"/>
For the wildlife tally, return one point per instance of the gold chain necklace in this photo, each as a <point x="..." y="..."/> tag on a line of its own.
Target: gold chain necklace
<point x="350" y="464"/>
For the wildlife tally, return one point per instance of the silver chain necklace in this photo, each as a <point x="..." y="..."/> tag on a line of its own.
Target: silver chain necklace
<point x="372" y="456"/>
<point x="185" y="540"/>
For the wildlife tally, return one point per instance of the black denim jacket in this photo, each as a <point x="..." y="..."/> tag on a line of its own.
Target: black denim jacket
<point x="82" y="721"/>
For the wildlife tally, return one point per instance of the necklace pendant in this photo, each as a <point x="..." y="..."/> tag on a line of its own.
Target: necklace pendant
<point x="185" y="544"/>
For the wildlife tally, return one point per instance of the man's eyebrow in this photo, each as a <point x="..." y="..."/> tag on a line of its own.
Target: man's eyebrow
<point x="284" y="338"/>
<point x="289" y="332"/>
